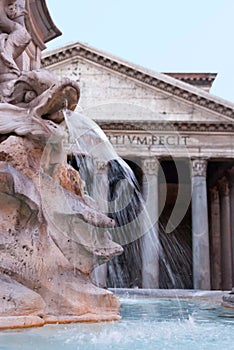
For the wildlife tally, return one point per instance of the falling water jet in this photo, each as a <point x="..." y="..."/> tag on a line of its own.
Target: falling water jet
<point x="123" y="203"/>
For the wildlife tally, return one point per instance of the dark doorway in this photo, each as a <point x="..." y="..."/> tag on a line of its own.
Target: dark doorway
<point x="124" y="271"/>
<point x="175" y="230"/>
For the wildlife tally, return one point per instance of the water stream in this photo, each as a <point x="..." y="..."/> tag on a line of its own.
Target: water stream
<point x="111" y="186"/>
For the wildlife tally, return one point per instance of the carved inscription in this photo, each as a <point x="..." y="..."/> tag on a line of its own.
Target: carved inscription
<point x="147" y="140"/>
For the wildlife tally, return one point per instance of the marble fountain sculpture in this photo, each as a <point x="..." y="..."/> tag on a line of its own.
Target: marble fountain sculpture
<point x="44" y="271"/>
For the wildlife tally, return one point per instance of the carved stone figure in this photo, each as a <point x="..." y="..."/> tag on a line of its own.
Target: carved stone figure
<point x="47" y="250"/>
<point x="14" y="38"/>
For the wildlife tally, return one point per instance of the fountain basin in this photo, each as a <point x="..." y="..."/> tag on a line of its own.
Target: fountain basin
<point x="195" y="321"/>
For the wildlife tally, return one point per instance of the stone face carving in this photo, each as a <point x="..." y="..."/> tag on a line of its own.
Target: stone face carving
<point x="34" y="105"/>
<point x="50" y="237"/>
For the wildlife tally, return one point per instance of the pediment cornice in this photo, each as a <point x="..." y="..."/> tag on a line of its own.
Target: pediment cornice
<point x="153" y="79"/>
<point x="123" y="125"/>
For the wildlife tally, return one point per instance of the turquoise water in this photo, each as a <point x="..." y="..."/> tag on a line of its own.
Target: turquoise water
<point x="146" y="324"/>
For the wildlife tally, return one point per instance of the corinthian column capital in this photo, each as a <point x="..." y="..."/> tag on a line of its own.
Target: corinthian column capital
<point x="150" y="165"/>
<point x="100" y="166"/>
<point x="230" y="176"/>
<point x="199" y="167"/>
<point x="214" y="193"/>
<point x="223" y="186"/>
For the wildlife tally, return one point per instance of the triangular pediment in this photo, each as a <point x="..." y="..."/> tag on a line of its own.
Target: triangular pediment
<point x="117" y="90"/>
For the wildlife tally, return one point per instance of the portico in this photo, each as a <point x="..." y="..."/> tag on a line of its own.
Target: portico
<point x="178" y="139"/>
<point x="203" y="191"/>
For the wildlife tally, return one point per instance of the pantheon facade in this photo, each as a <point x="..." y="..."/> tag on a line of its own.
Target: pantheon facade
<point x="178" y="138"/>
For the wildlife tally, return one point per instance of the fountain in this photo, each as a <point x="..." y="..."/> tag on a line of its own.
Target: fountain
<point x="52" y="237"/>
<point x="55" y="231"/>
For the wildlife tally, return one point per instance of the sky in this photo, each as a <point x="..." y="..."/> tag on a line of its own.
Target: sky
<point x="163" y="35"/>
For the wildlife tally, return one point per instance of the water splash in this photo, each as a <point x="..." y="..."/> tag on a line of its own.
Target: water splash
<point x="111" y="186"/>
<point x="147" y="324"/>
<point x="92" y="154"/>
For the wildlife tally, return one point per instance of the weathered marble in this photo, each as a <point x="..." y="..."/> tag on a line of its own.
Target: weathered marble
<point x="150" y="240"/>
<point x="43" y="253"/>
<point x="200" y="230"/>
<point x="228" y="299"/>
<point x="17" y="300"/>
<point x="51" y="239"/>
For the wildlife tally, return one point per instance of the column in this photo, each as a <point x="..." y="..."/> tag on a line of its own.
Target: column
<point x="150" y="240"/>
<point x="225" y="220"/>
<point x="215" y="239"/>
<point x="231" y="185"/>
<point x="100" y="195"/>
<point x="200" y="230"/>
